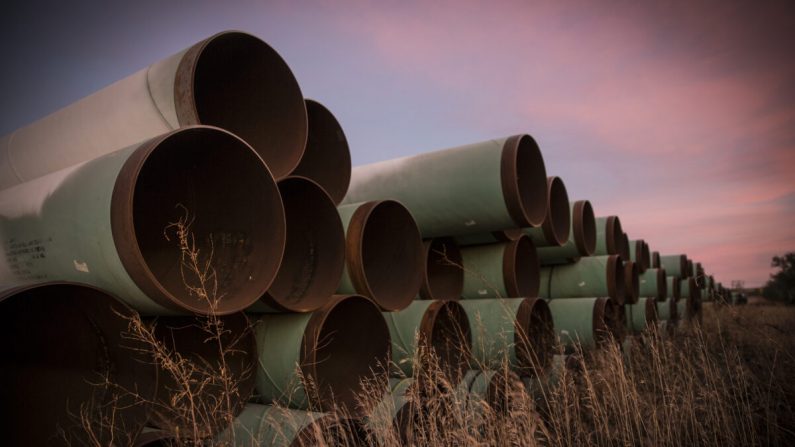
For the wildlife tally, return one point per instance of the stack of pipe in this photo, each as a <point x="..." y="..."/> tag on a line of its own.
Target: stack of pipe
<point x="204" y="203"/>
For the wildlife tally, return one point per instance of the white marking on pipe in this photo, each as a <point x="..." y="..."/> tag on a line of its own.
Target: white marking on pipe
<point x="482" y="292"/>
<point x="469" y="223"/>
<point x="582" y="284"/>
<point x="81" y="266"/>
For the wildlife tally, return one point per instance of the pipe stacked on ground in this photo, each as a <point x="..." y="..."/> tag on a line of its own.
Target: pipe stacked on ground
<point x="587" y="322"/>
<point x="515" y="331"/>
<point x="588" y="277"/>
<point x="554" y="231"/>
<point x="327" y="159"/>
<point x="582" y="241"/>
<point x="317" y="360"/>
<point x="64" y="355"/>
<point x="112" y="222"/>
<point x="675" y="265"/>
<point x="438" y="328"/>
<point x="653" y="283"/>
<point x="501" y="270"/>
<point x="642" y="316"/>
<point x="384" y="256"/>
<point x="609" y="236"/>
<point x="231" y="80"/>
<point x="689" y="307"/>
<point x="631" y="283"/>
<point x="477" y="188"/>
<point x="314" y="255"/>
<point x="443" y="277"/>
<point x="639" y="254"/>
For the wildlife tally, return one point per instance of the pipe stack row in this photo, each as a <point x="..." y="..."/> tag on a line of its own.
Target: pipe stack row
<point x="205" y="187"/>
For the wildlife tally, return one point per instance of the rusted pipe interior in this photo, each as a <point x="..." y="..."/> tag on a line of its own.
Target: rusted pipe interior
<point x="446" y="330"/>
<point x="662" y="284"/>
<point x="524" y="181"/>
<point x="616" y="286"/>
<point x="646" y="256"/>
<point x="391" y="257"/>
<point x="327" y="158"/>
<point x="677" y="289"/>
<point x="614" y="235"/>
<point x="534" y="337"/>
<point x="64" y="352"/>
<point x="655" y="259"/>
<point x="191" y="339"/>
<point x="606" y="316"/>
<point x="557" y="224"/>
<point x="314" y="256"/>
<point x="632" y="283"/>
<point x="444" y="276"/>
<point x="228" y="204"/>
<point x="328" y="359"/>
<point x="584" y="227"/>
<point x="521" y="268"/>
<point x="241" y="84"/>
<point x="624" y="250"/>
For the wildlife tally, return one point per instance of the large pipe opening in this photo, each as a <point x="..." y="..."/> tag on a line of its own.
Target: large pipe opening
<point x="328" y="360"/>
<point x="676" y="288"/>
<point x="524" y="181"/>
<point x="584" y="227"/>
<point x="557" y="225"/>
<point x="646" y="256"/>
<point x="385" y="254"/>
<point x="64" y="352"/>
<point x="631" y="283"/>
<point x="521" y="268"/>
<point x="655" y="259"/>
<point x="444" y="275"/>
<point x="624" y="249"/>
<point x="226" y="203"/>
<point x="614" y="235"/>
<point x="534" y="337"/>
<point x="662" y="284"/>
<point x="314" y="256"/>
<point x="616" y="286"/>
<point x="445" y="329"/>
<point x="199" y="385"/>
<point x="236" y="81"/>
<point x="327" y="158"/>
<point x="608" y="321"/>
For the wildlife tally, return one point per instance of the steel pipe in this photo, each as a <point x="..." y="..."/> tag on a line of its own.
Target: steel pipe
<point x="554" y="231"/>
<point x="273" y="426"/>
<point x="653" y="284"/>
<point x="655" y="260"/>
<point x="231" y="80"/>
<point x="642" y="316"/>
<point x="666" y="309"/>
<point x="317" y="360"/>
<point x="518" y="331"/>
<point x="212" y="347"/>
<point x="327" y="159"/>
<point x="624" y="250"/>
<point x="489" y="238"/>
<point x="582" y="242"/>
<point x="674" y="287"/>
<point x="639" y="254"/>
<point x="591" y="276"/>
<point x="631" y="283"/>
<point x="691" y="294"/>
<point x="440" y="328"/>
<point x="443" y="277"/>
<point x="314" y="255"/>
<point x="508" y="269"/>
<point x="589" y="322"/>
<point x="609" y="236"/>
<point x="477" y="188"/>
<point x="383" y="253"/>
<point x="495" y="389"/>
<point x="110" y="222"/>
<point x="675" y="265"/>
<point x="65" y="356"/>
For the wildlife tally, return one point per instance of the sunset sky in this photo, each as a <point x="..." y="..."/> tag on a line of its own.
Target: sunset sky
<point x="678" y="116"/>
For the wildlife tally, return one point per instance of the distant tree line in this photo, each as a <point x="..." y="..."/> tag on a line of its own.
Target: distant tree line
<point x="781" y="286"/>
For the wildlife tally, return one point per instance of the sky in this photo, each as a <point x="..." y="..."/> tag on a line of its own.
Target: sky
<point x="677" y="116"/>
